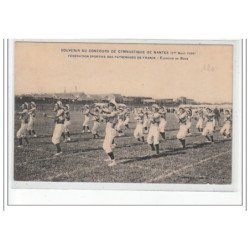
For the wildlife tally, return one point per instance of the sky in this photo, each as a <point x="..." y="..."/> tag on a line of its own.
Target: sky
<point x="205" y="75"/>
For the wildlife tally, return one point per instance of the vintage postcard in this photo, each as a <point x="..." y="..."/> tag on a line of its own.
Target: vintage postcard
<point x="116" y="113"/>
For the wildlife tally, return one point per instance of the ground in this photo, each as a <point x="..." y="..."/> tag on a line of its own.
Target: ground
<point x="83" y="157"/>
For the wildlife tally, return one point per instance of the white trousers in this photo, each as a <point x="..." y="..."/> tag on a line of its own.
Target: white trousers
<point x="22" y="132"/>
<point x="138" y="132"/>
<point x="66" y="126"/>
<point x="153" y="134"/>
<point x="110" y="134"/>
<point x="86" y="121"/>
<point x="162" y="125"/>
<point x="145" y="123"/>
<point x="209" y="129"/>
<point x="189" y="124"/>
<point x="119" y="124"/>
<point x="182" y="133"/>
<point x="226" y="128"/>
<point x="56" y="138"/>
<point x="95" y="127"/>
<point x="31" y="123"/>
<point x="199" y="123"/>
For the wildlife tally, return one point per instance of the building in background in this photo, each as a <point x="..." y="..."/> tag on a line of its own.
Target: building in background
<point x="83" y="98"/>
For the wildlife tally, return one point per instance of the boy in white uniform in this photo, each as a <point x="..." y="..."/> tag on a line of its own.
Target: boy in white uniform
<point x="154" y="132"/>
<point x="96" y="118"/>
<point x="208" y="131"/>
<point x="120" y="122"/>
<point x="67" y="124"/>
<point x="32" y="115"/>
<point x="85" y="125"/>
<point x="183" y="130"/>
<point x="59" y="120"/>
<point x="199" y="124"/>
<point x="138" y="132"/>
<point x="163" y="122"/>
<point x="22" y="132"/>
<point x="111" y="116"/>
<point x="126" y="119"/>
<point x="225" y="130"/>
<point x="189" y="120"/>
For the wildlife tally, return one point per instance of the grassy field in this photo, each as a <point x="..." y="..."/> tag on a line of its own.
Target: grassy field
<point x="82" y="159"/>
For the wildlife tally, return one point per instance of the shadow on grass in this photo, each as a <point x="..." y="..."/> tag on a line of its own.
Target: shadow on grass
<point x="100" y="148"/>
<point x="202" y="144"/>
<point x="170" y="152"/>
<point x="163" y="154"/>
<point x="167" y="152"/>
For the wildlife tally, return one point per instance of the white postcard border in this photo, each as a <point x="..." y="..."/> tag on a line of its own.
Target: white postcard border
<point x="233" y="190"/>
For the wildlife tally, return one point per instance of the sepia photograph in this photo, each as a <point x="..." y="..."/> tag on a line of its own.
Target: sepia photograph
<point x="123" y="112"/>
<point x="124" y="124"/>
